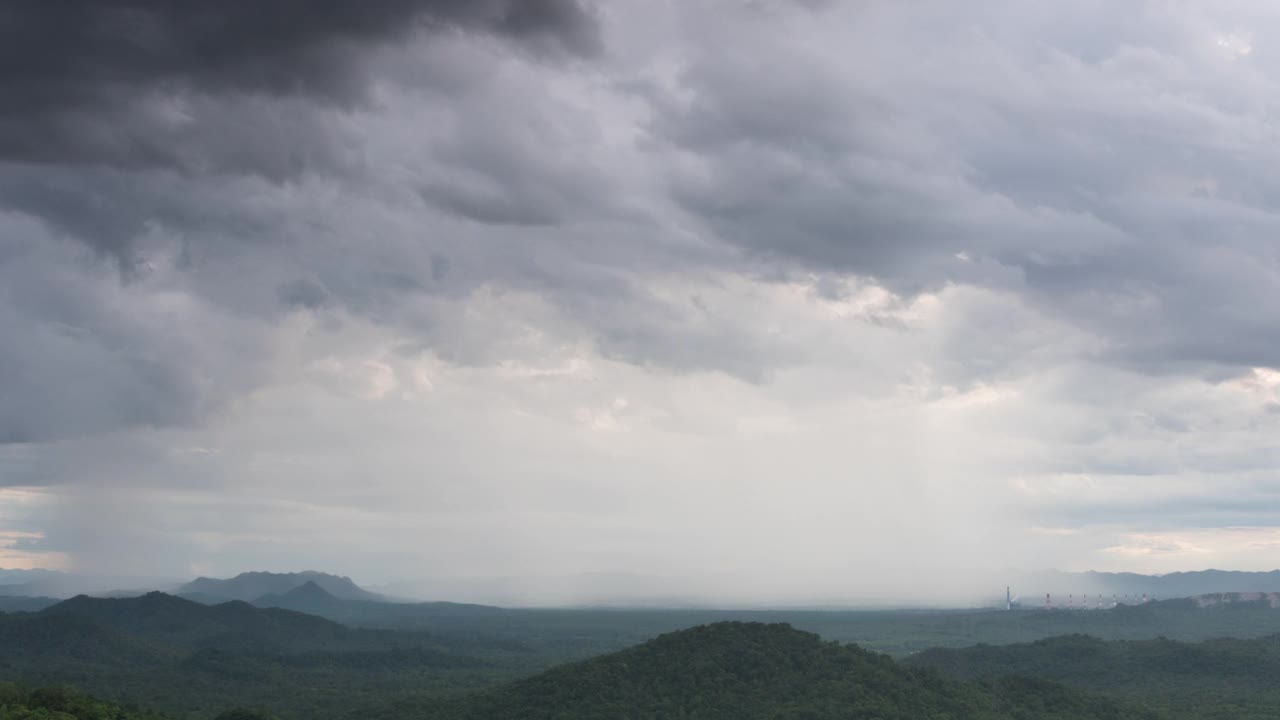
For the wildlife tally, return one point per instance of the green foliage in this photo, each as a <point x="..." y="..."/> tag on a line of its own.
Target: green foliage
<point x="244" y="714"/>
<point x="427" y="660"/>
<point x="192" y="660"/>
<point x="556" y="635"/>
<point x="1224" y="678"/>
<point x="745" y="671"/>
<point x="58" y="703"/>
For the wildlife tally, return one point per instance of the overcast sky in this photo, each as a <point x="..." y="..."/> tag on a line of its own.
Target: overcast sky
<point x="707" y="299"/>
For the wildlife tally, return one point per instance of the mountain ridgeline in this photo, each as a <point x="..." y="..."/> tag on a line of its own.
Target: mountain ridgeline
<point x="252" y="586"/>
<point x="1032" y="586"/>
<point x="1131" y="587"/>
<point x="187" y="658"/>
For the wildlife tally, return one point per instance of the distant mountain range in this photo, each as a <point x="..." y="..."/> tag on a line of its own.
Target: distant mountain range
<point x="1031" y="587"/>
<point x="271" y="588"/>
<point x="19" y="577"/>
<point x="315" y="593"/>
<point x="248" y="586"/>
<point x="57" y="584"/>
<point x="1238" y="599"/>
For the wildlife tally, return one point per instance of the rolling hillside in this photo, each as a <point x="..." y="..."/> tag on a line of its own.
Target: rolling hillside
<point x="185" y="658"/>
<point x="1225" y="678"/>
<point x="744" y="671"/>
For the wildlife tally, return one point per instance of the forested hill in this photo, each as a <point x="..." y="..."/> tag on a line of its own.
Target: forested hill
<point x="172" y="622"/>
<point x="188" y="659"/>
<point x="742" y="671"/>
<point x="1230" y="679"/>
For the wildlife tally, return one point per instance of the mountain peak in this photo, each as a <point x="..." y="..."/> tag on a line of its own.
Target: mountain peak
<point x="255" y="585"/>
<point x="309" y="589"/>
<point x="307" y="597"/>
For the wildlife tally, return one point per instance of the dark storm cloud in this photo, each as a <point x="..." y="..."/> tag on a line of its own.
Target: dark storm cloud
<point x="85" y="354"/>
<point x="97" y="97"/>
<point x="1099" y="174"/>
<point x="108" y="209"/>
<point x="871" y="162"/>
<point x="86" y="80"/>
<point x="355" y="235"/>
<point x="78" y="52"/>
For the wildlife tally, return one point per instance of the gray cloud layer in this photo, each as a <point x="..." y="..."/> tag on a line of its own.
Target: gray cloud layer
<point x="1033" y="238"/>
<point x="88" y="81"/>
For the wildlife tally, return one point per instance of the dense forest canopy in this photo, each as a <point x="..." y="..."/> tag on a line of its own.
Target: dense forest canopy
<point x="1227" y="678"/>
<point x="745" y="671"/>
<point x="61" y="703"/>
<point x="194" y="660"/>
